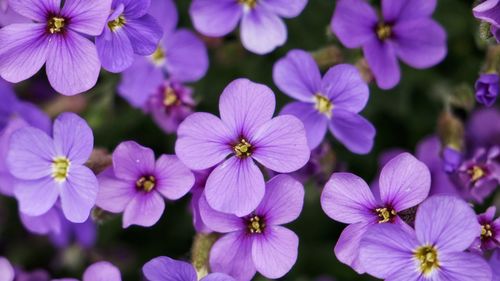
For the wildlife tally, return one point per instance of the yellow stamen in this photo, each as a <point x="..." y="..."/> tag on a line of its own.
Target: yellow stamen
<point x="323" y="105"/>
<point x="170" y="98"/>
<point x="248" y="3"/>
<point x="146" y="183"/>
<point x="117" y="23"/>
<point x="243" y="149"/>
<point x="60" y="168"/>
<point x="385" y="214"/>
<point x="256" y="225"/>
<point x="476" y="173"/>
<point x="56" y="24"/>
<point x="427" y="256"/>
<point x="486" y="231"/>
<point x="384" y="31"/>
<point x="159" y="56"/>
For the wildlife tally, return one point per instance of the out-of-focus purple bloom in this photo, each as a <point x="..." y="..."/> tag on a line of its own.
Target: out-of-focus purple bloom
<point x="258" y="242"/>
<point x="481" y="175"/>
<point x="452" y="159"/>
<point x="333" y="101"/>
<point x="136" y="184"/>
<point x="489" y="11"/>
<point x="429" y="151"/>
<point x="495" y="265"/>
<point x="319" y="167"/>
<point x="480" y="135"/>
<point x="405" y="31"/>
<point x="51" y="168"/>
<point x="404" y="183"/>
<point x="6" y="270"/>
<point x="487" y="87"/>
<point x="99" y="271"/>
<point x="56" y="37"/>
<point x="9" y="273"/>
<point x="167" y="269"/>
<point x="130" y="30"/>
<point x="490" y="231"/>
<point x="445" y="227"/>
<point x="262" y="29"/>
<point x="245" y="132"/>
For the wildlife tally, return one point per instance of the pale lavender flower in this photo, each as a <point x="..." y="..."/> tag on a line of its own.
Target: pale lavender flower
<point x="333" y="101"/>
<point x="130" y="30"/>
<point x="99" y="271"/>
<point x="487" y="88"/>
<point x="258" y="242"/>
<point x="404" y="183"/>
<point x="57" y="38"/>
<point x="405" y="30"/>
<point x="495" y="265"/>
<point x="445" y="227"/>
<point x="167" y="269"/>
<point x="262" y="29"/>
<point x="245" y="132"/>
<point x="136" y="184"/>
<point x="49" y="169"/>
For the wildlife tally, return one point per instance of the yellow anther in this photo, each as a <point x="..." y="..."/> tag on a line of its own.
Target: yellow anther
<point x="323" y="105"/>
<point x="242" y="149"/>
<point x="428" y="259"/>
<point x="56" y="24"/>
<point x="119" y="22"/>
<point x="60" y="168"/>
<point x="146" y="183"/>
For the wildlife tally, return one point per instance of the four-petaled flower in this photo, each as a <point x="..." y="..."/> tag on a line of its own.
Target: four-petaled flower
<point x="445" y="227"/>
<point x="404" y="183"/>
<point x="136" y="184"/>
<point x="246" y="132"/>
<point x="258" y="242"/>
<point x="334" y="101"/>
<point x="51" y="168"/>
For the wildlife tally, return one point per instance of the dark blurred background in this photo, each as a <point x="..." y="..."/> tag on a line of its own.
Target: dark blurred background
<point x="402" y="116"/>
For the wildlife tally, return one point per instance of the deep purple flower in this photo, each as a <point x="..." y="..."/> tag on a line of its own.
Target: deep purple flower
<point x="480" y="175"/>
<point x="245" y="132"/>
<point x="258" y="242"/>
<point x="489" y="11"/>
<point x="51" y="168"/>
<point x="167" y="269"/>
<point x="137" y="184"/>
<point x="262" y="29"/>
<point x="404" y="183"/>
<point x="99" y="271"/>
<point x="130" y="30"/>
<point x="490" y="231"/>
<point x="487" y="88"/>
<point x="405" y="31"/>
<point x="332" y="102"/>
<point x="445" y="227"/>
<point x="56" y="37"/>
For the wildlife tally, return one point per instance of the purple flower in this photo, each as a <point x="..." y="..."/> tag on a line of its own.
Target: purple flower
<point x="258" y="242"/>
<point x="130" y="30"/>
<point x="490" y="231"/>
<point x="136" y="184"/>
<point x="495" y="265"/>
<point x="167" y="269"/>
<point x="52" y="168"/>
<point x="201" y="177"/>
<point x="98" y="271"/>
<point x="481" y="175"/>
<point x="245" y="132"/>
<point x="488" y="11"/>
<point x="332" y="102"/>
<point x="9" y="273"/>
<point x="6" y="270"/>
<point x="262" y="29"/>
<point x="57" y="38"/>
<point x="444" y="228"/>
<point x="404" y="183"/>
<point x="484" y="136"/>
<point x="487" y="87"/>
<point x="181" y="56"/>
<point x="452" y="158"/>
<point x="405" y="31"/>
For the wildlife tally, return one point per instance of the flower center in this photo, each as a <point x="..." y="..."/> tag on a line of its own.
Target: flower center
<point x="117" y="23"/>
<point x="256" y="224"/>
<point x="486" y="231"/>
<point x="60" y="168"/>
<point x="146" y="183"/>
<point x="170" y="97"/>
<point x="385" y="214"/>
<point x="243" y="149"/>
<point x="323" y="105"/>
<point x="384" y="31"/>
<point x="427" y="256"/>
<point x="159" y="56"/>
<point x="56" y="24"/>
<point x="476" y="173"/>
<point x="248" y="3"/>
